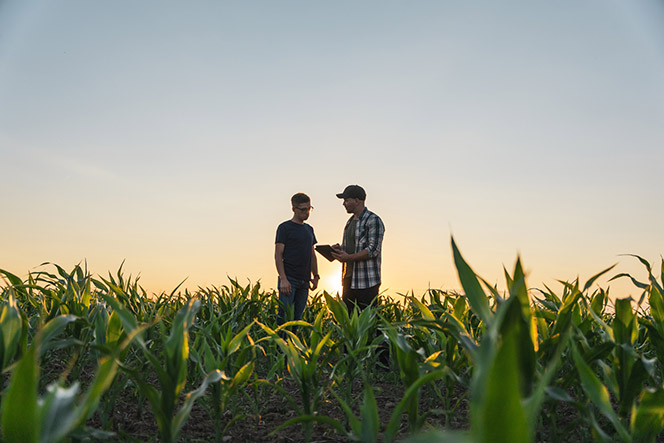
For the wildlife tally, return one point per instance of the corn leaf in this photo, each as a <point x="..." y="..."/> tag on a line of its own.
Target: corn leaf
<point x="477" y="299"/>
<point x="597" y="392"/>
<point x="369" y="416"/>
<point x="497" y="413"/>
<point x="648" y="416"/>
<point x="20" y="418"/>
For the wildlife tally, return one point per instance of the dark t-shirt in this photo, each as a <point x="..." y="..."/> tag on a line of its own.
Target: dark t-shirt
<point x="298" y="239"/>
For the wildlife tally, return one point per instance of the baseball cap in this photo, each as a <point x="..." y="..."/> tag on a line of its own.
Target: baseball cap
<point x="353" y="191"/>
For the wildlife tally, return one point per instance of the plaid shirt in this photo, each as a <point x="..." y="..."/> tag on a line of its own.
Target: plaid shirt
<point x="369" y="231"/>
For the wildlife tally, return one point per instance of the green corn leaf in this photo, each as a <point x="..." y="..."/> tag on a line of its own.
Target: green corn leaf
<point x="12" y="328"/>
<point x="431" y="360"/>
<point x="411" y="392"/>
<point x="598" y="434"/>
<point x="648" y="416"/>
<point x="599" y="302"/>
<point x="52" y="329"/>
<point x="183" y="414"/>
<point x="114" y="330"/>
<point x="14" y="280"/>
<point x="100" y="321"/>
<point x="339" y="311"/>
<point x="460" y="307"/>
<point x="177" y="344"/>
<point x="426" y="312"/>
<point x="559" y="394"/>
<point x="526" y="327"/>
<point x="477" y="299"/>
<point x="637" y="283"/>
<point x="498" y="414"/>
<point x="369" y="416"/>
<point x="594" y="278"/>
<point x="58" y="412"/>
<point x="597" y="392"/>
<point x="519" y="289"/>
<point x="3" y="360"/>
<point x="625" y="327"/>
<point x="656" y="305"/>
<point x="643" y="261"/>
<point x="20" y="418"/>
<point x="243" y="375"/>
<point x="236" y="341"/>
<point x="632" y="387"/>
<point x="355" y="424"/>
<point x="566" y="312"/>
<point x="128" y="320"/>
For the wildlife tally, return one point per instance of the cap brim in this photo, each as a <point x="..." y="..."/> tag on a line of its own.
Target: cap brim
<point x="341" y="195"/>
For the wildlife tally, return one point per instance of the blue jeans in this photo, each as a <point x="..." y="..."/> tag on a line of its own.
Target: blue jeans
<point x="295" y="301"/>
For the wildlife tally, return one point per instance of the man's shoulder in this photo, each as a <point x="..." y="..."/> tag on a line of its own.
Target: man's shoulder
<point x="284" y="223"/>
<point x="371" y="215"/>
<point x="285" y="226"/>
<point x="372" y="219"/>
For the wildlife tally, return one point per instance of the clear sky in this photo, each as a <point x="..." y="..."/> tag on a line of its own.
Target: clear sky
<point x="171" y="135"/>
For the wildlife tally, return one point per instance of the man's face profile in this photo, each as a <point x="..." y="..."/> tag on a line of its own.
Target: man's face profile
<point x="350" y="204"/>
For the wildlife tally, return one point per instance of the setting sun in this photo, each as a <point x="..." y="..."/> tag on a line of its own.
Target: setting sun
<point x="332" y="282"/>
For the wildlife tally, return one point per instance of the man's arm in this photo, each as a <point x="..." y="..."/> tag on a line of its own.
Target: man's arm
<point x="284" y="284"/>
<point x="375" y="232"/>
<point x="343" y="256"/>
<point x="314" y="269"/>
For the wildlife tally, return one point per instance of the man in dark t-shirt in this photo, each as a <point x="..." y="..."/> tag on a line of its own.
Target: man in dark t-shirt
<point x="295" y="259"/>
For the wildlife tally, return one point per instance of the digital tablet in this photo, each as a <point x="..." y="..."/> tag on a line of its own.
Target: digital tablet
<point x="325" y="251"/>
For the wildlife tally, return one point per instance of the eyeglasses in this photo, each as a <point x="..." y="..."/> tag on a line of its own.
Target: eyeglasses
<point x="307" y="209"/>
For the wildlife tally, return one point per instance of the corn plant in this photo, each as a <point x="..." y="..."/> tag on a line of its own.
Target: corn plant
<point x="415" y="373"/>
<point x="508" y="389"/>
<point x="653" y="320"/>
<point x="172" y="375"/>
<point x="355" y="341"/>
<point x="304" y="362"/>
<point x="12" y="331"/>
<point x="430" y="329"/>
<point x="366" y="427"/>
<point x="216" y="352"/>
<point x="28" y="418"/>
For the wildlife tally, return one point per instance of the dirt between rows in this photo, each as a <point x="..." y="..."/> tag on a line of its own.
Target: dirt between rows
<point x="132" y="419"/>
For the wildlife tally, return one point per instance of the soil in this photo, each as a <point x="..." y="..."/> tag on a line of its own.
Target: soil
<point x="257" y="420"/>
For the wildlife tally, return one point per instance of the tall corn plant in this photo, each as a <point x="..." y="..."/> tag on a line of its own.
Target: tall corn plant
<point x="354" y="341"/>
<point x="628" y="375"/>
<point x="171" y="372"/>
<point x="653" y="320"/>
<point x="59" y="413"/>
<point x="508" y="387"/>
<point x="430" y="328"/>
<point x="230" y="354"/>
<point x="13" y="330"/>
<point x="305" y="362"/>
<point x="415" y="370"/>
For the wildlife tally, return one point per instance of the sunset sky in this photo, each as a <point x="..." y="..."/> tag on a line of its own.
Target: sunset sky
<point x="171" y="135"/>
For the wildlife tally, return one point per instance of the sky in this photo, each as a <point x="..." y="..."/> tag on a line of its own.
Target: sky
<point x="169" y="136"/>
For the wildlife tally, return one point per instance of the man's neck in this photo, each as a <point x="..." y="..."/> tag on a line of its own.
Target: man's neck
<point x="358" y="212"/>
<point x="297" y="220"/>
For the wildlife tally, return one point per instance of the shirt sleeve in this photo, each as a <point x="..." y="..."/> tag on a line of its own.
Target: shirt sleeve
<point x="281" y="235"/>
<point x="375" y="232"/>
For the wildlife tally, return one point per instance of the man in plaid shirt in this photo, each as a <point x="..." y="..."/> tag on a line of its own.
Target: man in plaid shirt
<point x="360" y="251"/>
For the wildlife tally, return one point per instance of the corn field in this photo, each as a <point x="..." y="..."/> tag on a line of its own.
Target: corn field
<point x="93" y="358"/>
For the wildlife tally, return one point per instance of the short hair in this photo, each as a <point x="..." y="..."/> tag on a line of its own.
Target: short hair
<point x="300" y="198"/>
